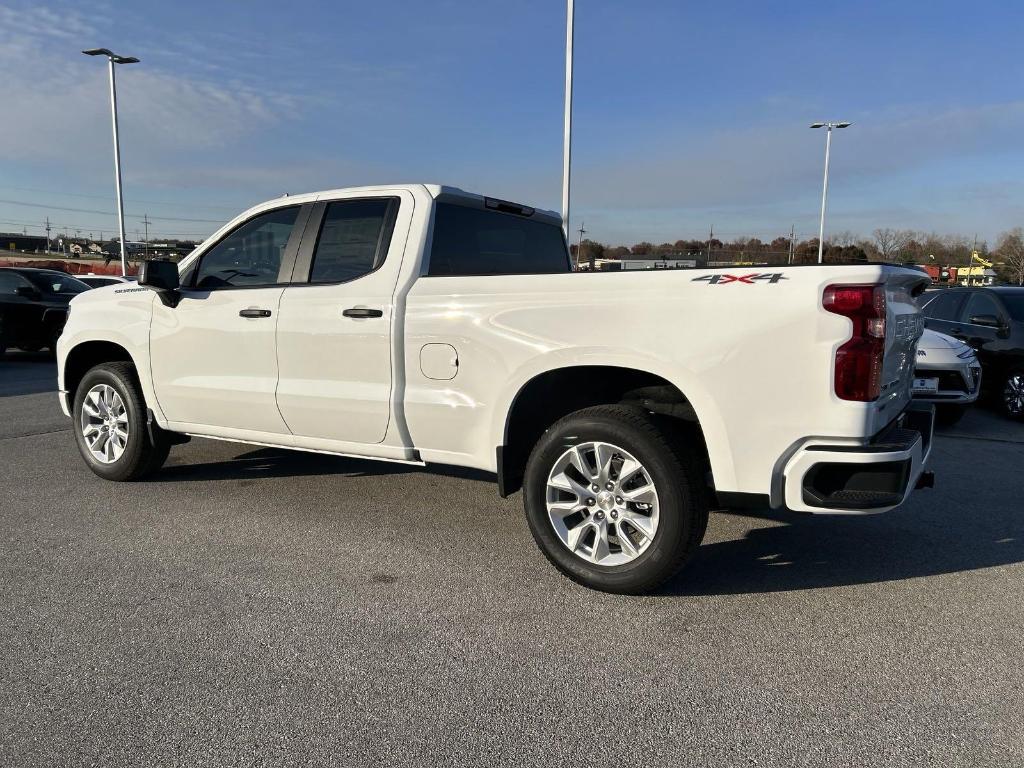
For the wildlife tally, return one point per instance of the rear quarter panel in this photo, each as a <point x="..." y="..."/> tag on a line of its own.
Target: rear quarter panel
<point x="753" y="358"/>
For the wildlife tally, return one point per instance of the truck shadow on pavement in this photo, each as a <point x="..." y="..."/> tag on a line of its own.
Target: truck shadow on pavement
<point x="962" y="525"/>
<point x="967" y="530"/>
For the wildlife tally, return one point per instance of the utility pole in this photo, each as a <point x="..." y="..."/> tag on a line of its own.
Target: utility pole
<point x="792" y="234"/>
<point x="47" y="234"/>
<point x="970" y="261"/>
<point x="567" y="132"/>
<point x="145" y="220"/>
<point x="711" y="236"/>
<point x="579" y="246"/>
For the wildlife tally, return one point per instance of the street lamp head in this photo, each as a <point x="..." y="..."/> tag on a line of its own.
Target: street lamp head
<point x="843" y="125"/>
<point x="817" y="125"/>
<point x="111" y="55"/>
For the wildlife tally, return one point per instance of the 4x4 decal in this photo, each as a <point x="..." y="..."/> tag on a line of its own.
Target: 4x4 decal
<point x="722" y="279"/>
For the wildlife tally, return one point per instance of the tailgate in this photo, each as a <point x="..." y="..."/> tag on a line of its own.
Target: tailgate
<point x="904" y="324"/>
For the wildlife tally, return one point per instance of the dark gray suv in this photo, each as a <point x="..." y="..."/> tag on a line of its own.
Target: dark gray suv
<point x="991" y="320"/>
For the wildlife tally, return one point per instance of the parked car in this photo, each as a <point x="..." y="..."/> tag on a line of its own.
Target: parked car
<point x="100" y="281"/>
<point x="34" y="306"/>
<point x="423" y="324"/>
<point x="991" y="320"/>
<point x="947" y="374"/>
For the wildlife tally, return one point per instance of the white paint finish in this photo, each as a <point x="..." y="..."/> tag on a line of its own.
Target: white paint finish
<point x="211" y="366"/>
<point x="336" y="371"/>
<point x="439" y="361"/>
<point x="118" y="315"/>
<point x="804" y="459"/>
<point x="755" y="361"/>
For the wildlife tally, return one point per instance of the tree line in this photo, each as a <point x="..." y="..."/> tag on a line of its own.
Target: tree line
<point x="898" y="246"/>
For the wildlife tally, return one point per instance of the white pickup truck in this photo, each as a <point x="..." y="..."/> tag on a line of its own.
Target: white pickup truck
<point x="423" y="324"/>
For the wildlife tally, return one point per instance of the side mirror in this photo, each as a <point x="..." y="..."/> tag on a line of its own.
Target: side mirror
<point x="159" y="275"/>
<point x="27" y="292"/>
<point x="988" y="321"/>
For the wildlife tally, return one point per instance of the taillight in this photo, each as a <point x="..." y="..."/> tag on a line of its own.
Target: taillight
<point x="859" y="360"/>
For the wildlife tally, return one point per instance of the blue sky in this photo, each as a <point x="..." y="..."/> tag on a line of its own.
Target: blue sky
<point x="687" y="114"/>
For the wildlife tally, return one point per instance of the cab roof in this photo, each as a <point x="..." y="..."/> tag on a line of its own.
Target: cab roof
<point x="443" y="192"/>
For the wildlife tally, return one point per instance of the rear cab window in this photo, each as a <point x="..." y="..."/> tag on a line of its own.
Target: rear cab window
<point x="481" y="241"/>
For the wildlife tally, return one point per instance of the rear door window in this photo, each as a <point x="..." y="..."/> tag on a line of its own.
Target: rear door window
<point x="945" y="306"/>
<point x="351" y="240"/>
<point x="981" y="304"/>
<point x="476" y="241"/>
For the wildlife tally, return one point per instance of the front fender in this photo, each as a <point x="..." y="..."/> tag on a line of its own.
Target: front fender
<point x="123" y="320"/>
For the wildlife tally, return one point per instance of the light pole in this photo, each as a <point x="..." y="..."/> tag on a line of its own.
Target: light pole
<point x="824" y="189"/>
<point x="567" y="133"/>
<point x="112" y="59"/>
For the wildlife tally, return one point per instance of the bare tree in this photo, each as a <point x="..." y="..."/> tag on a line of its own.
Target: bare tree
<point x="1010" y="249"/>
<point x="843" y="239"/>
<point x="891" y="242"/>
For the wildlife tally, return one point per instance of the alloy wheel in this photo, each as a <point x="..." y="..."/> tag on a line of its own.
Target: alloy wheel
<point x="104" y="423"/>
<point x="602" y="503"/>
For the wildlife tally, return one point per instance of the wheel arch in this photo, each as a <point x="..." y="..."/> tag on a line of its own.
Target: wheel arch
<point x="86" y="355"/>
<point x="550" y="394"/>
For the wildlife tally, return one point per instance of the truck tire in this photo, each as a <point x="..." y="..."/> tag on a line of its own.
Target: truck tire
<point x="613" y="500"/>
<point x="110" y="425"/>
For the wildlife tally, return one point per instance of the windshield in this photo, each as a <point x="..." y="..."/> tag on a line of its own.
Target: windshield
<point x="1014" y="304"/>
<point x="54" y="282"/>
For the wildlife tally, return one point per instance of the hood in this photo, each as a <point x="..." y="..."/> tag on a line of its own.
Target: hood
<point x="938" y="341"/>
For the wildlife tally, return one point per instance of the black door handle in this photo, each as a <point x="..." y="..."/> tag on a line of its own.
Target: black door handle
<point x="363" y="312"/>
<point x="254" y="313"/>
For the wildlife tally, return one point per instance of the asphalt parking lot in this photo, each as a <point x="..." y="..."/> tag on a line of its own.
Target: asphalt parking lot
<point x="250" y="606"/>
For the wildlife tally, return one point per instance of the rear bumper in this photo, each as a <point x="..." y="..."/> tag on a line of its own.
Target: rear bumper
<point x="861" y="479"/>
